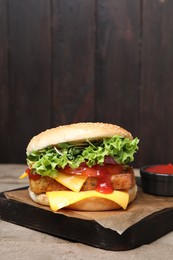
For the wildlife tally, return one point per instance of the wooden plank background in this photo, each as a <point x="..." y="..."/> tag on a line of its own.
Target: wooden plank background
<point x="67" y="61"/>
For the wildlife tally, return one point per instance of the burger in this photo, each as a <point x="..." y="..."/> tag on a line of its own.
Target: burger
<point x="82" y="166"/>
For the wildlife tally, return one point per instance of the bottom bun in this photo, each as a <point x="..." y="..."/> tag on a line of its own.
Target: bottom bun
<point x="90" y="204"/>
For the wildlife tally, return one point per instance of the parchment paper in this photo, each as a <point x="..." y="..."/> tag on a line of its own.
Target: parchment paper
<point x="118" y="220"/>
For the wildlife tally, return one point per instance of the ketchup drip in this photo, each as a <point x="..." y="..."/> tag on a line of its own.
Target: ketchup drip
<point x="104" y="184"/>
<point x="103" y="174"/>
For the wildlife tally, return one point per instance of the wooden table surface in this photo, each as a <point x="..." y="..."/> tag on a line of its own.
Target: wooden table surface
<point x="18" y="242"/>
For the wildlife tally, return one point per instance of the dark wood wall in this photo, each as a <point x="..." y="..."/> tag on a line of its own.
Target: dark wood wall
<point x="64" y="61"/>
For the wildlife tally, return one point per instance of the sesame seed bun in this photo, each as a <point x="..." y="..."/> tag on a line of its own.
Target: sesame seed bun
<point x="78" y="132"/>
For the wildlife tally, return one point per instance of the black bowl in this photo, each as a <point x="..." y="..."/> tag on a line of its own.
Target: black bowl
<point x="156" y="183"/>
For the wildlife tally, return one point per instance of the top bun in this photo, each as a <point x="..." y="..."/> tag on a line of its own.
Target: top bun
<point x="75" y="133"/>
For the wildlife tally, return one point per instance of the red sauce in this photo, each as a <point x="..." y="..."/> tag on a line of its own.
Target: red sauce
<point x="102" y="173"/>
<point x="32" y="176"/>
<point x="163" y="169"/>
<point x="104" y="184"/>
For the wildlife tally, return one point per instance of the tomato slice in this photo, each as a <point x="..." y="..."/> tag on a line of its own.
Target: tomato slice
<point x="115" y="169"/>
<point x="82" y="171"/>
<point x="95" y="171"/>
<point x="32" y="176"/>
<point x="91" y="172"/>
<point x="77" y="171"/>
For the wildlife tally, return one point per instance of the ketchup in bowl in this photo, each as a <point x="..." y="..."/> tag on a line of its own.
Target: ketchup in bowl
<point x="161" y="169"/>
<point x="157" y="179"/>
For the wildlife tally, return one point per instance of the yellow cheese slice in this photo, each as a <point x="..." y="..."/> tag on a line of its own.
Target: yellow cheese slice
<point x="61" y="199"/>
<point x="25" y="174"/>
<point x="73" y="182"/>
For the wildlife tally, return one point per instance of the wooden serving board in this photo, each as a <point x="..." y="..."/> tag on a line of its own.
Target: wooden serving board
<point x="88" y="232"/>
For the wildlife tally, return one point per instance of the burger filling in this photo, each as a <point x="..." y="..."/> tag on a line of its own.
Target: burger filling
<point x="92" y="165"/>
<point x="104" y="182"/>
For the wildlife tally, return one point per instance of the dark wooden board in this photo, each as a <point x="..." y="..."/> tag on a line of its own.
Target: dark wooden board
<point x="30" y="90"/>
<point x="4" y="81"/>
<point x="156" y="91"/>
<point x="117" y="62"/>
<point x="85" y="231"/>
<point x="68" y="61"/>
<point x="73" y="43"/>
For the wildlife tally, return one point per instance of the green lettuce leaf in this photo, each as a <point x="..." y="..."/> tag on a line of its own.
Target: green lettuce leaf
<point x="47" y="160"/>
